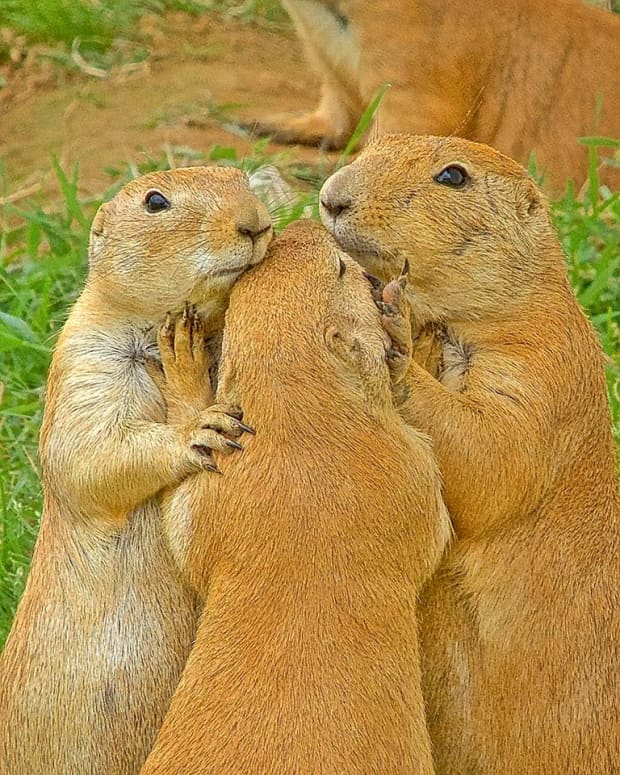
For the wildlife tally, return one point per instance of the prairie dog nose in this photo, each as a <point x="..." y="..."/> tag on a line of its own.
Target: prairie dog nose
<point x="252" y="218"/>
<point x="334" y="201"/>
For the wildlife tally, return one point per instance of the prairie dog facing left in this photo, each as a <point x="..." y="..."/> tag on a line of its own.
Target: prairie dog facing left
<point x="105" y="623"/>
<point x="520" y="625"/>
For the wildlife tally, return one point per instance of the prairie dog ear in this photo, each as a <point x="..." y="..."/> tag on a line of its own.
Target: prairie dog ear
<point x="529" y="199"/>
<point x="342" y="342"/>
<point x="333" y="338"/>
<point x="97" y="232"/>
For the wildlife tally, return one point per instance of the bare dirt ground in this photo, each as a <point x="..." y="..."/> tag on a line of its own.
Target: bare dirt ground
<point x="178" y="98"/>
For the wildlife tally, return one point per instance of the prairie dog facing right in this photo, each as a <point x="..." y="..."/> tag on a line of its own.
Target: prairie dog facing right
<point x="326" y="528"/>
<point x="520" y="625"/>
<point x="105" y="623"/>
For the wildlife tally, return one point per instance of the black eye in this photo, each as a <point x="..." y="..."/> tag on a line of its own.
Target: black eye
<point x="453" y="176"/>
<point x="155" y="202"/>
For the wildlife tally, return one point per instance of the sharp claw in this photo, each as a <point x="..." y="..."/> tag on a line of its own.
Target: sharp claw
<point x="212" y="467"/>
<point x="404" y="274"/>
<point x="234" y="444"/>
<point x="246" y="428"/>
<point x="374" y="281"/>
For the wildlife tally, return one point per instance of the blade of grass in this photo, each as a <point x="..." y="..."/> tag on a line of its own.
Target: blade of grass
<point x="362" y="125"/>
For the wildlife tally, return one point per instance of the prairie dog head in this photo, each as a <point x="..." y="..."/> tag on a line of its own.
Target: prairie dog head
<point x="306" y="316"/>
<point x="176" y="236"/>
<point x="473" y="225"/>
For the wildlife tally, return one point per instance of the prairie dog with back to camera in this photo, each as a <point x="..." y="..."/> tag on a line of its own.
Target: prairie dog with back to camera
<point x="306" y="658"/>
<point x="520" y="625"/>
<point x="105" y="623"/>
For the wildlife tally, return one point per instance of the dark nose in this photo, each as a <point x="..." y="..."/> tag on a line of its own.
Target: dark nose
<point x="253" y="232"/>
<point x="252" y="219"/>
<point x="335" y="204"/>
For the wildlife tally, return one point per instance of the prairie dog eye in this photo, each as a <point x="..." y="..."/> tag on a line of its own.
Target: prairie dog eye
<point x="453" y="175"/>
<point x="155" y="202"/>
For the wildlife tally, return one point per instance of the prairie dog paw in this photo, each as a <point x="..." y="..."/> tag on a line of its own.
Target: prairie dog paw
<point x="216" y="430"/>
<point x="307" y="129"/>
<point x="396" y="321"/>
<point x="186" y="385"/>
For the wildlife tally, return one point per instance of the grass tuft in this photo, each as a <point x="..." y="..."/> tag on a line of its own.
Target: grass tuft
<point x="589" y="229"/>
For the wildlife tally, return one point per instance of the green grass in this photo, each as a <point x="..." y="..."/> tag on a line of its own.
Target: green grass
<point x="107" y="33"/>
<point x="99" y="24"/>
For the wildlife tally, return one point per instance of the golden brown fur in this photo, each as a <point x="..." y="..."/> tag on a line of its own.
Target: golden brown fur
<point x="522" y="76"/>
<point x="520" y="625"/>
<point x="105" y="623"/>
<point x="327" y="525"/>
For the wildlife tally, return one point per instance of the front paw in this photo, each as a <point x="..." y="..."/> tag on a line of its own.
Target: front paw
<point x="186" y="386"/>
<point x="215" y="430"/>
<point x="306" y="129"/>
<point x="396" y="320"/>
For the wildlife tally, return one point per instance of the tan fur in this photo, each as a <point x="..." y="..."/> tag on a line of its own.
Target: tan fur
<point x="520" y="625"/>
<point x="105" y="623"/>
<point x="327" y="525"/>
<point x="522" y="76"/>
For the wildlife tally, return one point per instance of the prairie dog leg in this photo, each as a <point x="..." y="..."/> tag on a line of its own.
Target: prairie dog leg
<point x="332" y="48"/>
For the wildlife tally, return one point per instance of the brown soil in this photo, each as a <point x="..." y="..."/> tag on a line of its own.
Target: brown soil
<point x="175" y="99"/>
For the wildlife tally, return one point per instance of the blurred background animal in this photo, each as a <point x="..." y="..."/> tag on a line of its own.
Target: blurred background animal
<point x="527" y="77"/>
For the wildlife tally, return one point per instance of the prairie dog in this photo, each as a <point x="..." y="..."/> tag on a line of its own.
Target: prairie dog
<point x="524" y="77"/>
<point x="105" y="623"/>
<point x="520" y="625"/>
<point x="327" y="526"/>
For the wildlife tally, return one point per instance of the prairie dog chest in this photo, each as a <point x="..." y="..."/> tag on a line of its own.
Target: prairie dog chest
<point x="101" y="376"/>
<point x="453" y="365"/>
<point x="136" y="390"/>
<point x="444" y="357"/>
